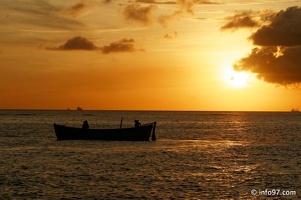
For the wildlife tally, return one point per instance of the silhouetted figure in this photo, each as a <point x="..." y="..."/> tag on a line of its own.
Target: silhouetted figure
<point x="137" y="123"/>
<point x="85" y="125"/>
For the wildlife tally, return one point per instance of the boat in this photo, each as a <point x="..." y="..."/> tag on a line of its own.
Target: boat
<point x="295" y="110"/>
<point x="141" y="133"/>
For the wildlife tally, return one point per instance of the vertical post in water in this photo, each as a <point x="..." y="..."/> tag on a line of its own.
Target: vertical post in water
<point x="154" y="132"/>
<point x="121" y="122"/>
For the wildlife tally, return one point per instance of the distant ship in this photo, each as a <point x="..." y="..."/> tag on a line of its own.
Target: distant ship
<point x="79" y="108"/>
<point x="295" y="110"/>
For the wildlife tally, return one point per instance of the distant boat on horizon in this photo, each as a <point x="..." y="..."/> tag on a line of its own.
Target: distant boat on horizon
<point x="79" y="108"/>
<point x="295" y="110"/>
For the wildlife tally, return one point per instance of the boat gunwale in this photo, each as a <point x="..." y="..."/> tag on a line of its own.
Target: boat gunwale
<point x="144" y="125"/>
<point x="141" y="133"/>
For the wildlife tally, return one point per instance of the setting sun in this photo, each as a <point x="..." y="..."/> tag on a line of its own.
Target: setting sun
<point x="237" y="79"/>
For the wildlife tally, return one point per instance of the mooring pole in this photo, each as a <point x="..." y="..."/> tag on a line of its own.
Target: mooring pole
<point x="121" y="122"/>
<point x="154" y="132"/>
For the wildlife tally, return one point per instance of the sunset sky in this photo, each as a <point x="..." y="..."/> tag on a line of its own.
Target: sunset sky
<point x="230" y="55"/>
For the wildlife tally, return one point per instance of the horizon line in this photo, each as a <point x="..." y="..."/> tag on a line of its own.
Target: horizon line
<point x="138" y="110"/>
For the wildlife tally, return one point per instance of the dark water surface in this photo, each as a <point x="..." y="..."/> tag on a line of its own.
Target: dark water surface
<point x="197" y="155"/>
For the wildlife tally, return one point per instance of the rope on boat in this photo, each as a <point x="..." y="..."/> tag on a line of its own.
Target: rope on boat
<point x="154" y="132"/>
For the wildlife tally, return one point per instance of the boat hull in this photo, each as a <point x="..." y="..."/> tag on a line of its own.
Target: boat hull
<point x="142" y="133"/>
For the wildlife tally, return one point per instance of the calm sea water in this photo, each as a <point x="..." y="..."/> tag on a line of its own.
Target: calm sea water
<point x="197" y="155"/>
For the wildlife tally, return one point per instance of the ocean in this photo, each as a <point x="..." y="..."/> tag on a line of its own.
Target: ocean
<point x="197" y="155"/>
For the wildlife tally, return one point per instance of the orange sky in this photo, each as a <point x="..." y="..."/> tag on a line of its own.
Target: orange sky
<point x="150" y="55"/>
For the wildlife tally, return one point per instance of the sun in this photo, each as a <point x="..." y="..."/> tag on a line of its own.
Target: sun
<point x="236" y="79"/>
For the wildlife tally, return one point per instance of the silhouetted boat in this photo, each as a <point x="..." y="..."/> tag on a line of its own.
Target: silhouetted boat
<point x="141" y="133"/>
<point x="295" y="110"/>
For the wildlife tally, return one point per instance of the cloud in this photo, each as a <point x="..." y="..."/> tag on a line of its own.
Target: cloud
<point x="77" y="43"/>
<point x="273" y="65"/>
<point x="76" y="10"/>
<point x="284" y="30"/>
<point x="184" y="7"/>
<point x="136" y="13"/>
<point x="123" y="45"/>
<point x="248" y="19"/>
<point x="243" y="19"/>
<point x="187" y="5"/>
<point x="144" y="15"/>
<point x="81" y="43"/>
<point x="277" y="58"/>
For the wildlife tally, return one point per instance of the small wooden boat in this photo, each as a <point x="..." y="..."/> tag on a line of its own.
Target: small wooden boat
<point x="141" y="133"/>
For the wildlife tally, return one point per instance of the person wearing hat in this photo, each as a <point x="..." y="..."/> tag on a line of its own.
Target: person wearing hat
<point x="85" y="125"/>
<point x="137" y="123"/>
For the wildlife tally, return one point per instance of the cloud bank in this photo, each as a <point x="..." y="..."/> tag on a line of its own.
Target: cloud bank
<point x="248" y="19"/>
<point x="277" y="59"/>
<point x="273" y="65"/>
<point x="243" y="19"/>
<point x="76" y="43"/>
<point x="81" y="43"/>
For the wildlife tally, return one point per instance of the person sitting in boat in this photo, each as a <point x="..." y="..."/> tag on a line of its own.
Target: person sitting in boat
<point x="137" y="123"/>
<point x="85" y="125"/>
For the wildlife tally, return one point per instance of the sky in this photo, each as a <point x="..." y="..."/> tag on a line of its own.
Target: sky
<point x="202" y="55"/>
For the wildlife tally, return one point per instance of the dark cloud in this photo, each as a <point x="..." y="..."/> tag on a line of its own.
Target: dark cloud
<point x="81" y="43"/>
<point x="248" y="19"/>
<point x="273" y="65"/>
<point x="284" y="30"/>
<point x="124" y="45"/>
<point x="278" y="55"/>
<point x="243" y="19"/>
<point x="77" y="43"/>
<point x="135" y="12"/>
